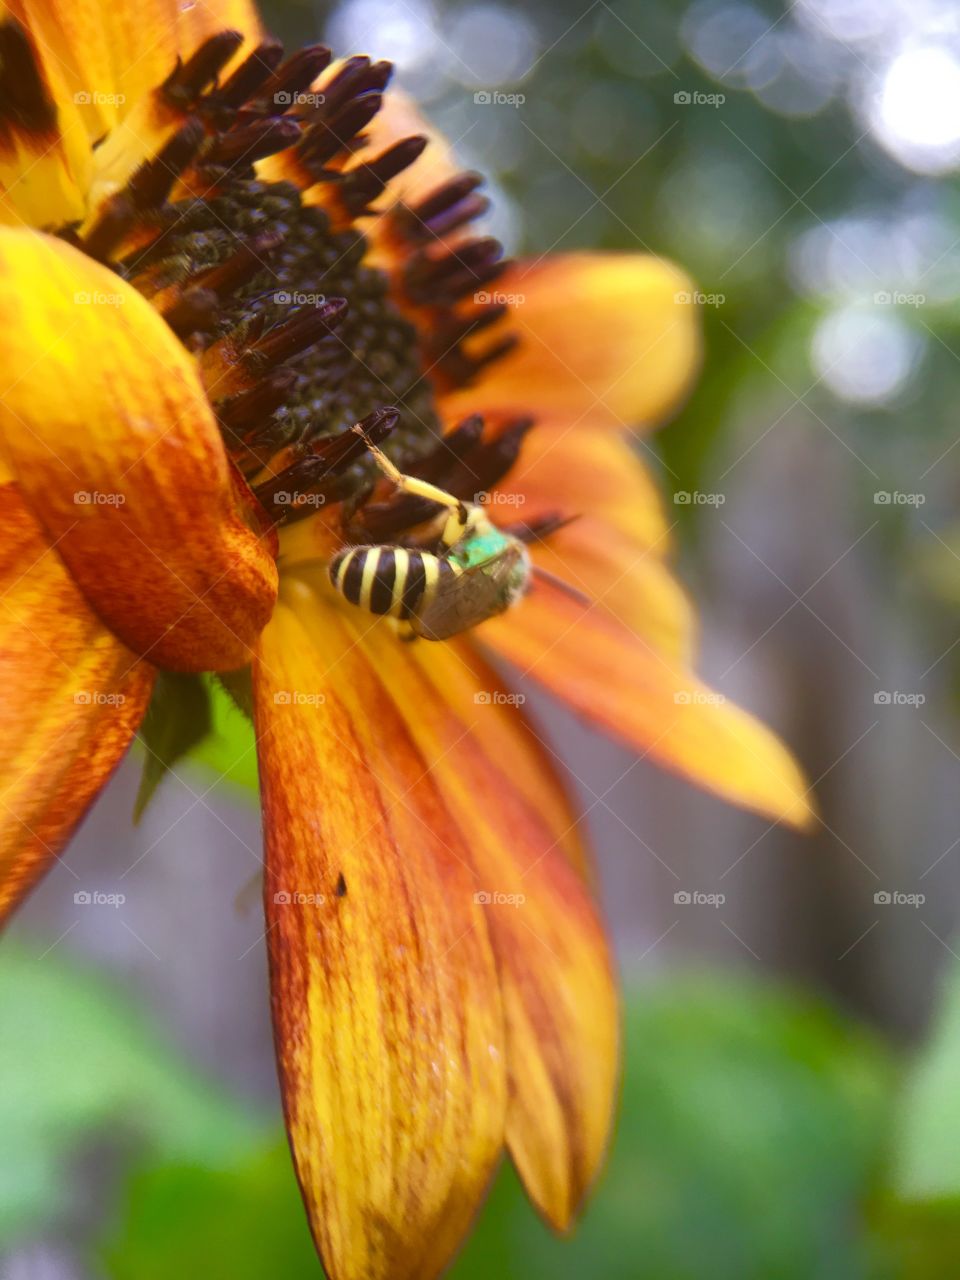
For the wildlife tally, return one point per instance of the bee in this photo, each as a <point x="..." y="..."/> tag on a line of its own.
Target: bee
<point x="476" y="572"/>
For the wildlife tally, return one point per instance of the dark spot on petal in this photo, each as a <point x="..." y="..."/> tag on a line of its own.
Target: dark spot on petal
<point x="25" y="101"/>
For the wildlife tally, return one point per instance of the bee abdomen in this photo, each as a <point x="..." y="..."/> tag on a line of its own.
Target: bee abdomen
<point x="388" y="580"/>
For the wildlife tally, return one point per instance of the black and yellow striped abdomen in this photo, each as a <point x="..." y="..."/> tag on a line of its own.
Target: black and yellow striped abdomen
<point x="390" y="580"/>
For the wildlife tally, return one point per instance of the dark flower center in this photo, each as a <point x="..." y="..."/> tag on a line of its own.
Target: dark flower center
<point x="298" y="336"/>
<point x="371" y="359"/>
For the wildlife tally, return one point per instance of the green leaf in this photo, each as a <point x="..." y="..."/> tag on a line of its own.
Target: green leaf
<point x="245" y="1223"/>
<point x="178" y="717"/>
<point x="77" y="1062"/>
<point x="237" y="685"/>
<point x="229" y="751"/>
<point x="927" y="1160"/>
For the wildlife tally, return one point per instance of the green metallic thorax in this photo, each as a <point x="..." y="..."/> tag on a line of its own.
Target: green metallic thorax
<point x="501" y="558"/>
<point x="479" y="547"/>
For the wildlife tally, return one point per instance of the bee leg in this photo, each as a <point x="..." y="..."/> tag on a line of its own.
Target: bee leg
<point x="403" y="629"/>
<point x="459" y="513"/>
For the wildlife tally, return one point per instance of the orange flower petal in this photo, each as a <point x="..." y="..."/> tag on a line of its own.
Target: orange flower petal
<point x="576" y="470"/>
<point x="603" y="340"/>
<point x="159" y="33"/>
<point x="620" y="683"/>
<point x="107" y="428"/>
<point x="386" y="1006"/>
<point x="554" y="969"/>
<point x="508" y="738"/>
<point x="622" y="659"/>
<point x="45" y="164"/>
<point x="71" y="698"/>
<point x="109" y="56"/>
<point x="615" y="549"/>
<point x="634" y="587"/>
<point x="559" y="994"/>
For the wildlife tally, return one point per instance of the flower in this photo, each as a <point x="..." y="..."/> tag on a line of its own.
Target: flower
<point x="214" y="263"/>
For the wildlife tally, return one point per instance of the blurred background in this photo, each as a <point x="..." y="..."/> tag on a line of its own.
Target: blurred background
<point x="791" y="1102"/>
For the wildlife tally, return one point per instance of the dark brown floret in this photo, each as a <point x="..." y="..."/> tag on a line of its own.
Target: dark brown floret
<point x="452" y="205"/>
<point x="188" y="80"/>
<point x="454" y="447"/>
<point x="443" y="279"/>
<point x="153" y="181"/>
<point x="367" y="182"/>
<point x="297" y="334"/>
<point x="294" y="77"/>
<point x="319" y="471"/>
<point x="147" y="190"/>
<point x="252" y="142"/>
<point x="251" y="75"/>
<point x="326" y="138"/>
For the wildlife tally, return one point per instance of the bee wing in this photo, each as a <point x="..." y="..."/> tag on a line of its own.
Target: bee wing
<point x="470" y="598"/>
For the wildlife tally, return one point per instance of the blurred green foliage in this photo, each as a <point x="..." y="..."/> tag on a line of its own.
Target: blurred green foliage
<point x="228" y="1224"/>
<point x="915" y="1212"/>
<point x="927" y="1135"/>
<point x="79" y="1064"/>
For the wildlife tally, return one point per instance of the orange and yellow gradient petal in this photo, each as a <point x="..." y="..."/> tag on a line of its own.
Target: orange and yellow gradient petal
<point x="603" y="340"/>
<point x="620" y="658"/>
<point x="87" y="73"/>
<point x="424" y="735"/>
<point x="387" y="1008"/>
<point x="107" y="429"/>
<point x="71" y="698"/>
<point x="556" y="974"/>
